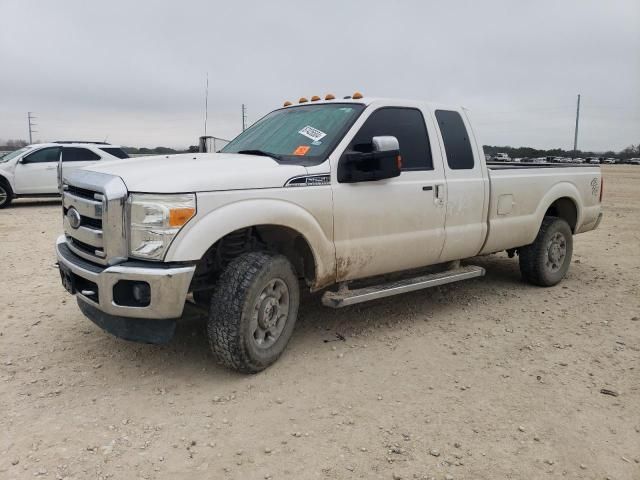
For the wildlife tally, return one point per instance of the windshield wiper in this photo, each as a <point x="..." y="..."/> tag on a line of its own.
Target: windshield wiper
<point x="262" y="153"/>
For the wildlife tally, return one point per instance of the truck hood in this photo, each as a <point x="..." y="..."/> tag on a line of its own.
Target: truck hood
<point x="199" y="172"/>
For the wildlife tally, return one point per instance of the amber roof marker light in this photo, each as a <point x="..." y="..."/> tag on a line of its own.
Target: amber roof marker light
<point x="303" y="100"/>
<point x="329" y="96"/>
<point x="357" y="96"/>
<point x="287" y="103"/>
<point x="315" y="98"/>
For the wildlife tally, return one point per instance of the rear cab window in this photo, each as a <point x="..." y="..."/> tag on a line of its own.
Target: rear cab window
<point x="456" y="140"/>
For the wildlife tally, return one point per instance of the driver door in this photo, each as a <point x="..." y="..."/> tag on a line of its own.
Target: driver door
<point x="397" y="223"/>
<point x="36" y="173"/>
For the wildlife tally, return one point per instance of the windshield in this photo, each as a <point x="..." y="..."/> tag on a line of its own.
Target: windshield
<point x="308" y="132"/>
<point x="13" y="154"/>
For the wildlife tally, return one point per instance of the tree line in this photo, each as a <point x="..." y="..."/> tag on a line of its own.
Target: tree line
<point x="631" y="151"/>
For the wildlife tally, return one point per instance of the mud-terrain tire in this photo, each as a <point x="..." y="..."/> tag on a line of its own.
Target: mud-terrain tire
<point x="253" y="311"/>
<point x="6" y="194"/>
<point x="545" y="262"/>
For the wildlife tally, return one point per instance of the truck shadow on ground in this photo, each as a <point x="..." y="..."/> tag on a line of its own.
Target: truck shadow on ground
<point x="318" y="325"/>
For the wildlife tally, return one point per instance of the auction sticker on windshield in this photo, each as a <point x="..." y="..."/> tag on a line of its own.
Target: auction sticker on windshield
<point x="312" y="133"/>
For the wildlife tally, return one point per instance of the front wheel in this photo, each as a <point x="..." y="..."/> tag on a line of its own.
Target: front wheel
<point x="545" y="262"/>
<point x="6" y="195"/>
<point x="253" y="311"/>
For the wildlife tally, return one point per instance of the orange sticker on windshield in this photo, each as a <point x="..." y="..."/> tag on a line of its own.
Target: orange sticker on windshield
<point x="302" y="150"/>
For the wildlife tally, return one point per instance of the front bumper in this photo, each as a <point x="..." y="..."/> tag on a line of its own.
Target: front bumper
<point x="168" y="285"/>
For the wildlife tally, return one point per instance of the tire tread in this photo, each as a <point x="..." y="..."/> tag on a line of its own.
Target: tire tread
<point x="227" y="306"/>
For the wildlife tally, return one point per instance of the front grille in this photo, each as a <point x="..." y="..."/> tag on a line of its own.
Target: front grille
<point x="93" y="214"/>
<point x="81" y="192"/>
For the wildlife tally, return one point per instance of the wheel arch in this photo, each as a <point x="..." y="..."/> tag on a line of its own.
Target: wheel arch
<point x="286" y="227"/>
<point x="562" y="200"/>
<point x="565" y="208"/>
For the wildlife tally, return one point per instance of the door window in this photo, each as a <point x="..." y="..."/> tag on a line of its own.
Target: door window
<point x="44" y="155"/>
<point x="456" y="140"/>
<point x="407" y="125"/>
<point x="75" y="154"/>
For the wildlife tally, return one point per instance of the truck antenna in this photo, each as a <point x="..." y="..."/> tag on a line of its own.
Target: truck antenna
<point x="206" y="103"/>
<point x="575" y="133"/>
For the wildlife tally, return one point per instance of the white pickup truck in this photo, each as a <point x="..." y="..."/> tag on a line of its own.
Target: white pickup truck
<point x="364" y="198"/>
<point x="32" y="171"/>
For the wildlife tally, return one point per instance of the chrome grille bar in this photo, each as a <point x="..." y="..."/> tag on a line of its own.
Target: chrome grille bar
<point x="90" y="236"/>
<point x="84" y="206"/>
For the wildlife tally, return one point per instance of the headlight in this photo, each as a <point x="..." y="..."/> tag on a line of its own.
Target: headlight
<point x="154" y="220"/>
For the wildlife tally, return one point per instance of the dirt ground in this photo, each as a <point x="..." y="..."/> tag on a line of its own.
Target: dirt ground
<point x="485" y="379"/>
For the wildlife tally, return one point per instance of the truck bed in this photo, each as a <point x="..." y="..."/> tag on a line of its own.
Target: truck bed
<point x="522" y="193"/>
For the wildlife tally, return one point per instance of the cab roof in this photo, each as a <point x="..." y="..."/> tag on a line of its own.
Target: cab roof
<point x="380" y="101"/>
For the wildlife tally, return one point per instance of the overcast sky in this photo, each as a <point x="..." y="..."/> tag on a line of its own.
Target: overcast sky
<point x="133" y="72"/>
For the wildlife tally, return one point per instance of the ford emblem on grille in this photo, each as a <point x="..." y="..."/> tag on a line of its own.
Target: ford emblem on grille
<point x="74" y="218"/>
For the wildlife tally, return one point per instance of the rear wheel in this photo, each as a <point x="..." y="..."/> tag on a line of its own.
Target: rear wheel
<point x="6" y="195"/>
<point x="253" y="311"/>
<point x="545" y="262"/>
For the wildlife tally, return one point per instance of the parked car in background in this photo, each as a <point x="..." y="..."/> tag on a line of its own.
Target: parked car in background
<point x="634" y="161"/>
<point x="593" y="160"/>
<point x="501" y="157"/>
<point x="32" y="171"/>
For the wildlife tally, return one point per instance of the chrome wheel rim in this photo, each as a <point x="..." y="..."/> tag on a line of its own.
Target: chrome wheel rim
<point x="3" y="196"/>
<point x="270" y="314"/>
<point x="556" y="252"/>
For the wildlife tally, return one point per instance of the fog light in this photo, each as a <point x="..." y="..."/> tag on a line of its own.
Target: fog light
<point x="142" y="292"/>
<point x="131" y="293"/>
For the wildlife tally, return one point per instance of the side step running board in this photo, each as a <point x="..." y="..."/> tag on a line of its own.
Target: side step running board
<point x="345" y="297"/>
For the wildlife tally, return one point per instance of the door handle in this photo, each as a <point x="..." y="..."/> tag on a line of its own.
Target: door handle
<point x="427" y="188"/>
<point x="439" y="196"/>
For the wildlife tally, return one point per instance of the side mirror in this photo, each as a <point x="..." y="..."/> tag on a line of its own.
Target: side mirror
<point x="380" y="160"/>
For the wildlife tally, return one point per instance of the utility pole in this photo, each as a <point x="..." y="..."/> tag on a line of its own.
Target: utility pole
<point x="575" y="136"/>
<point x="30" y="119"/>
<point x="244" y="117"/>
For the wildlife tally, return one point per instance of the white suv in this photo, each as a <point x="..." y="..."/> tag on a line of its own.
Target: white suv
<point x="32" y="170"/>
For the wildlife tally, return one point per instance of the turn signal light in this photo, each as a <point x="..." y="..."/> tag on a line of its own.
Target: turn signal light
<point x="303" y="100"/>
<point x="356" y="96"/>
<point x="287" y="103"/>
<point x="329" y="96"/>
<point x="180" y="216"/>
<point x="399" y="162"/>
<point x="315" y="98"/>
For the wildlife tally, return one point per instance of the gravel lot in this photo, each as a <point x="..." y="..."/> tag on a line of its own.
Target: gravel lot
<point x="487" y="379"/>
